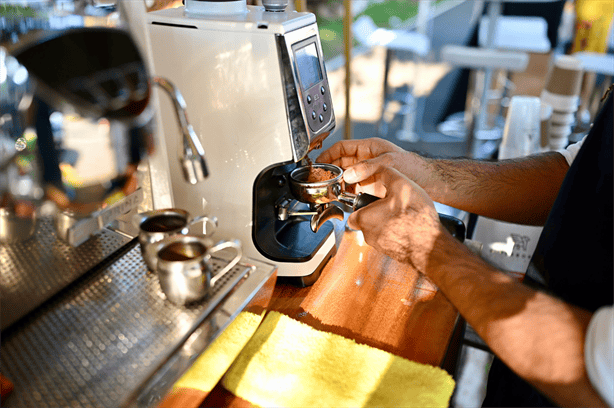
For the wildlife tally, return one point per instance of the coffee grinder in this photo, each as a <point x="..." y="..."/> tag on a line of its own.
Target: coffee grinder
<point x="255" y="80"/>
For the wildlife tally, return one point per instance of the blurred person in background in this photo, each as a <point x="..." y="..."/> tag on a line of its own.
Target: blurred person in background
<point x="552" y="334"/>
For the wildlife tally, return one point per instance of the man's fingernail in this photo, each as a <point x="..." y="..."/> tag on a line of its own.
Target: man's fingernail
<point x="349" y="176"/>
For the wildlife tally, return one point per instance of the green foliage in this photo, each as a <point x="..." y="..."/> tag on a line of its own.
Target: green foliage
<point x="14" y="11"/>
<point x="331" y="30"/>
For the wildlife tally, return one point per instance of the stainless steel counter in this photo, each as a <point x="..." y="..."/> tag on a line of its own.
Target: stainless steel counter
<point x="111" y="339"/>
<point x="34" y="270"/>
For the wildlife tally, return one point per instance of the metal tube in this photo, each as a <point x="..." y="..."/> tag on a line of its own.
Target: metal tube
<point x="193" y="159"/>
<point x="481" y="121"/>
<point x="347" y="42"/>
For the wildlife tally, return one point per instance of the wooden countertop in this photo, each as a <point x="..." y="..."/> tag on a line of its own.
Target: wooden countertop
<point x="365" y="296"/>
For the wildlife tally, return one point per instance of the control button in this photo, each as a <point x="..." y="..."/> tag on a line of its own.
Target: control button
<point x="313" y="114"/>
<point x="325" y="107"/>
<point x="321" y="118"/>
<point x="308" y="98"/>
<point x="322" y="90"/>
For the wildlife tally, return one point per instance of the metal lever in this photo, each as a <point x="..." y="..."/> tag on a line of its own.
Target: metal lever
<point x="285" y="210"/>
<point x="321" y="213"/>
<point x="193" y="160"/>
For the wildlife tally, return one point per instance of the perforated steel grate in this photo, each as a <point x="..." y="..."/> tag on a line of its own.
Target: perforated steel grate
<point x="34" y="270"/>
<point x="100" y="338"/>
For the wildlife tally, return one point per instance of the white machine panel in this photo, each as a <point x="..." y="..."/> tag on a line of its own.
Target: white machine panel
<point x="229" y="71"/>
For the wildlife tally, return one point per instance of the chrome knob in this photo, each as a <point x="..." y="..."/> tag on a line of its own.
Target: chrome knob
<point x="275" y="5"/>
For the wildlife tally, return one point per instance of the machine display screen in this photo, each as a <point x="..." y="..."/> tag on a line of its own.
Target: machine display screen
<point x="308" y="66"/>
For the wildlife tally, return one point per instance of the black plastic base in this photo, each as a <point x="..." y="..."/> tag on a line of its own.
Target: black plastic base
<point x="308" y="280"/>
<point x="282" y="241"/>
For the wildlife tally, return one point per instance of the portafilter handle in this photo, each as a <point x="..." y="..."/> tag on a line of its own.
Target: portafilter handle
<point x="329" y="211"/>
<point x="357" y="201"/>
<point x="324" y="213"/>
<point x="193" y="159"/>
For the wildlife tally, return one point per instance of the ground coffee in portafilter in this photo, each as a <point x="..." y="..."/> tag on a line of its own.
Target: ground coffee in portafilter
<point x="318" y="174"/>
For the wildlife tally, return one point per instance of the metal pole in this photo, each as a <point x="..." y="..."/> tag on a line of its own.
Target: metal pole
<point x="494" y="11"/>
<point x="347" y="42"/>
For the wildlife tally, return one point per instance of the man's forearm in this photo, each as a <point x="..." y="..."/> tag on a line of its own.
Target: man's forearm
<point x="538" y="336"/>
<point x="520" y="191"/>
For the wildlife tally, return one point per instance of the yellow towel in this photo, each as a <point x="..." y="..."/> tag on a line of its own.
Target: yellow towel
<point x="213" y="363"/>
<point x="290" y="364"/>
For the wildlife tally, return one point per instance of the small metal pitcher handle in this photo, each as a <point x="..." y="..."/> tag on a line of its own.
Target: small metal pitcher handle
<point x="209" y="222"/>
<point x="234" y="244"/>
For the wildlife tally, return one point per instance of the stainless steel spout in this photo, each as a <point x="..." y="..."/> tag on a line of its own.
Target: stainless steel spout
<point x="193" y="159"/>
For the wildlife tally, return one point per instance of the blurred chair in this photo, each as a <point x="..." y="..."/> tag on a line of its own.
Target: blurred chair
<point x="393" y="40"/>
<point x="473" y="123"/>
<point x="514" y="34"/>
<point x="517" y="33"/>
<point x="595" y="62"/>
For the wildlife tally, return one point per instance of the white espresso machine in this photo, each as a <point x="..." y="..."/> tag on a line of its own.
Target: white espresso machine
<point x="259" y="99"/>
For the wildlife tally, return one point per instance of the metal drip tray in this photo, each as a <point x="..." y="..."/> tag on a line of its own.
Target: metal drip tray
<point x="34" y="270"/>
<point x="109" y="339"/>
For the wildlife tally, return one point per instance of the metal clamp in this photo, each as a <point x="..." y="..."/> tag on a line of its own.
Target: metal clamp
<point x="285" y="210"/>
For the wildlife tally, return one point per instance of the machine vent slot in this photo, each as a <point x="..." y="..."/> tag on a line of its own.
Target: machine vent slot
<point x="172" y="25"/>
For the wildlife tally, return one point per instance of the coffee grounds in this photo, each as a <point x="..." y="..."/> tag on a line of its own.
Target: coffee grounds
<point x="317" y="174"/>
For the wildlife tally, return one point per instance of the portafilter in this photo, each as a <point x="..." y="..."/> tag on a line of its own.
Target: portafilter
<point x="323" y="192"/>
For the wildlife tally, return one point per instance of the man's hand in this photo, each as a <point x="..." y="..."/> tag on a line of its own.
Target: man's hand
<point x="347" y="153"/>
<point x="404" y="224"/>
<point x="519" y="324"/>
<point x="521" y="191"/>
<point x="360" y="159"/>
